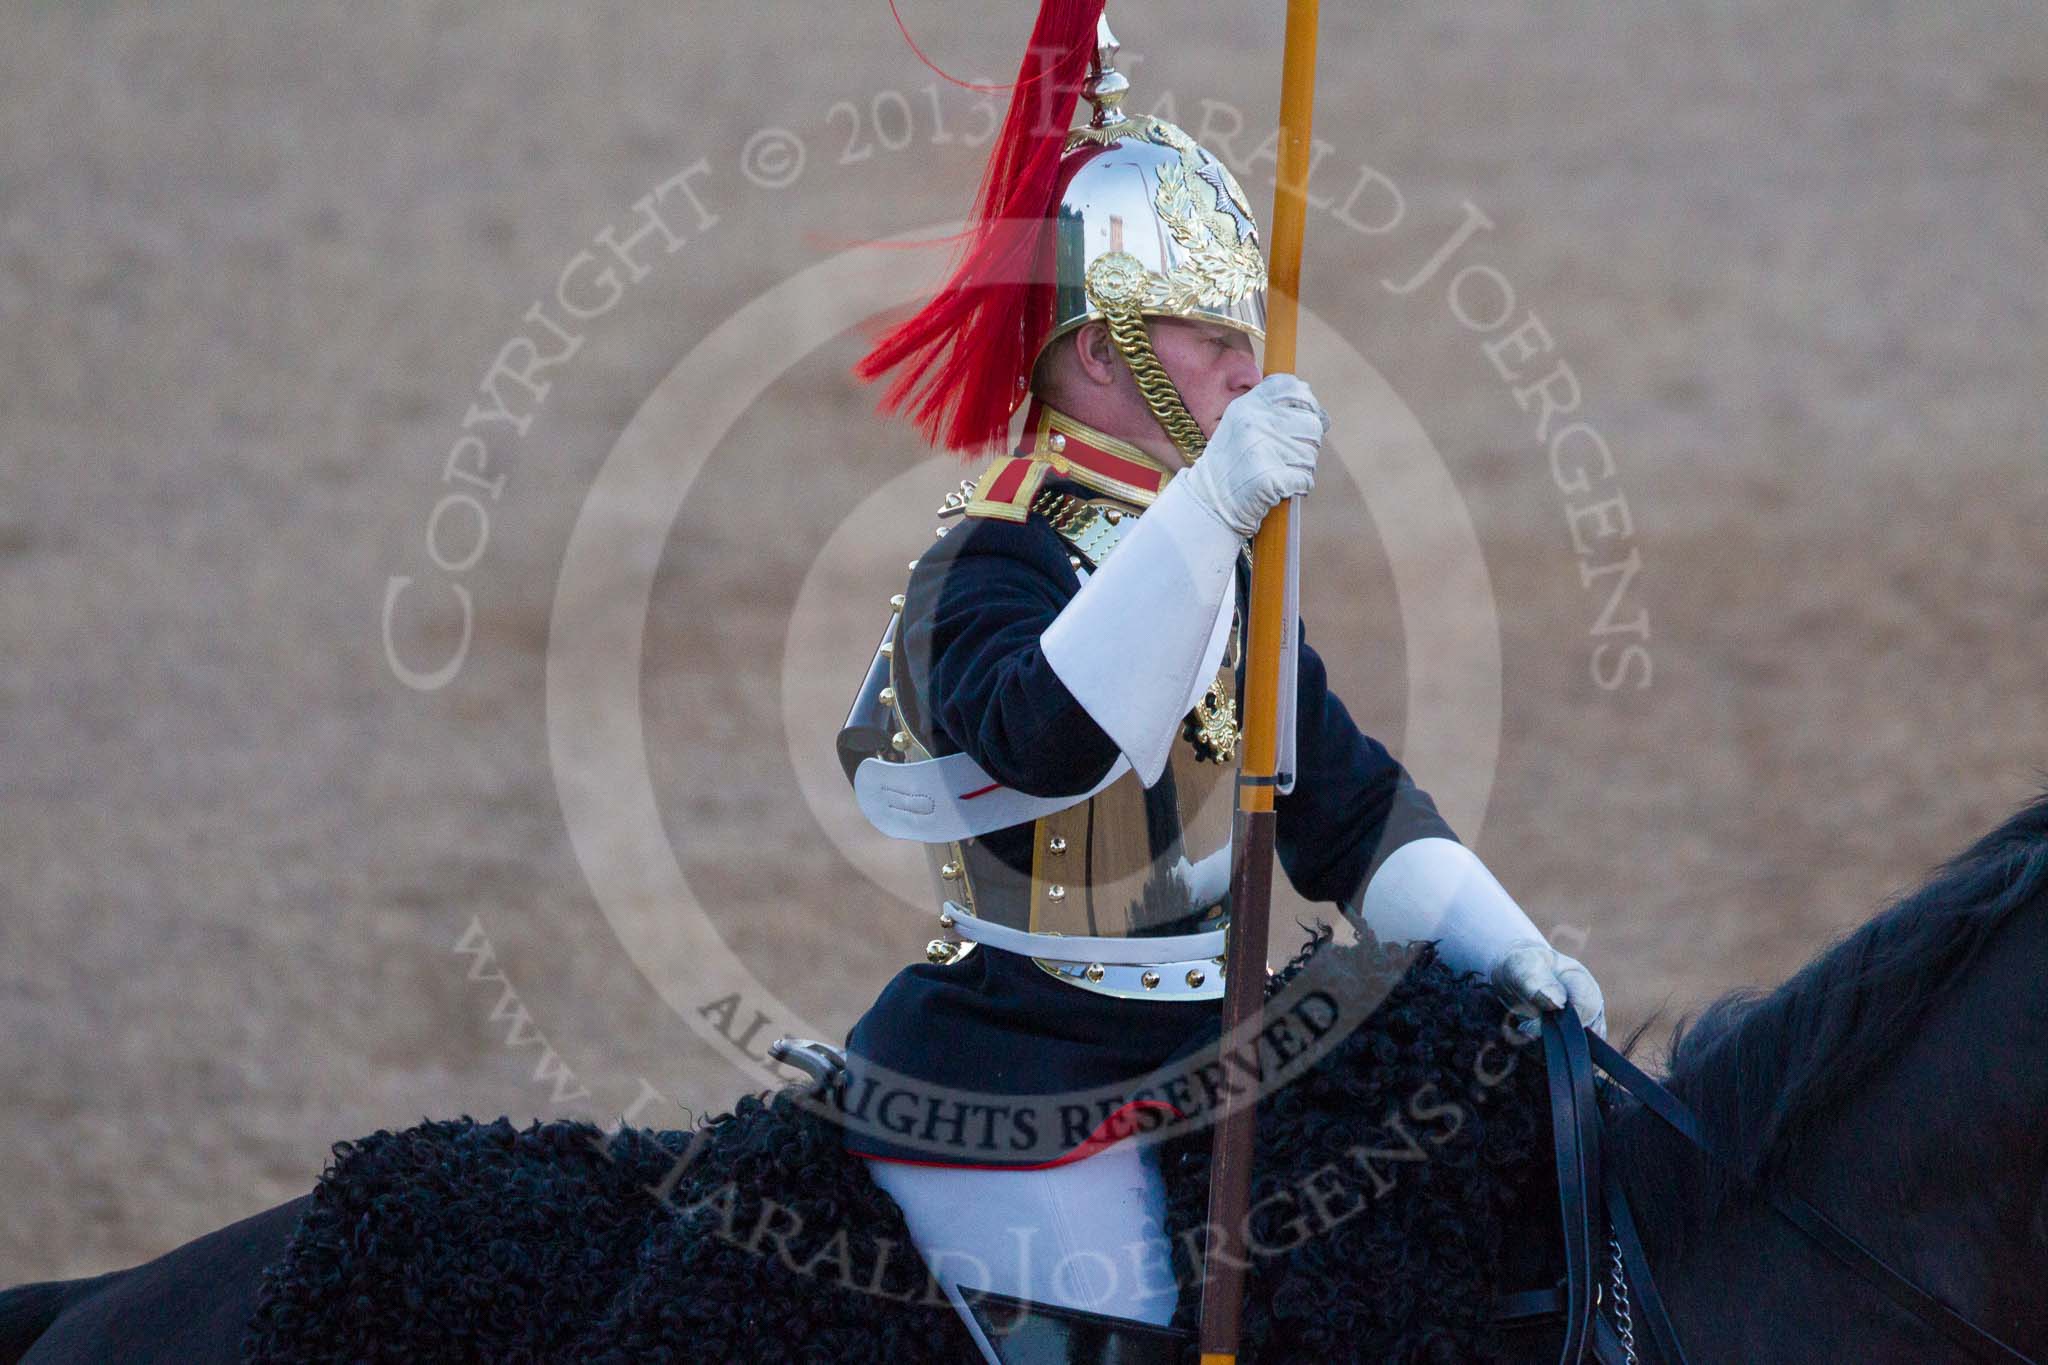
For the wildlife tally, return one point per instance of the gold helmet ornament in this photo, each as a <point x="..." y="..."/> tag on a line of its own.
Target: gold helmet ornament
<point x="1119" y="219"/>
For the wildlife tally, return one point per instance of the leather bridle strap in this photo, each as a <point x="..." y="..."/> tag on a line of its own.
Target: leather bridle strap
<point x="1575" y="1137"/>
<point x="1647" y="1301"/>
<point x="1972" y="1340"/>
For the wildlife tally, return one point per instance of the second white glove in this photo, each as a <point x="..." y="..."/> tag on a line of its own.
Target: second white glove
<point x="1435" y="888"/>
<point x="1533" y="976"/>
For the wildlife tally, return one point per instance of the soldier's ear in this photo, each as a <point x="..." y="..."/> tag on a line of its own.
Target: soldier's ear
<point x="1096" y="354"/>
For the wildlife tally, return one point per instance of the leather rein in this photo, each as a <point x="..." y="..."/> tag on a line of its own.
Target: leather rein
<point x="1591" y="1195"/>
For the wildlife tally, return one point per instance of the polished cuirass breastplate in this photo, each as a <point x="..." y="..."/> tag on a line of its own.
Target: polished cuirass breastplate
<point x="1128" y="862"/>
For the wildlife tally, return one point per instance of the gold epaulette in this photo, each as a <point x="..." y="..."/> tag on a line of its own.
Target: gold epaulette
<point x="1010" y="490"/>
<point x="1005" y="488"/>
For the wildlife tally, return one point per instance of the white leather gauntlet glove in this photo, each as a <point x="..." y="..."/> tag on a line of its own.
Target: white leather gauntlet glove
<point x="1439" y="889"/>
<point x="1140" y="641"/>
<point x="1264" y="450"/>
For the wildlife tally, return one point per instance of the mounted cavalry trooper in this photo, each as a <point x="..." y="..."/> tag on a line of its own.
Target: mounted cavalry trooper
<point x="1053" y="710"/>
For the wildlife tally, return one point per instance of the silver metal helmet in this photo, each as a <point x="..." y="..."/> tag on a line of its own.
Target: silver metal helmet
<point x="1149" y="223"/>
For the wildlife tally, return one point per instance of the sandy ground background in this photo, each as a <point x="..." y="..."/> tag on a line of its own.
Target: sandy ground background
<point x="255" y="260"/>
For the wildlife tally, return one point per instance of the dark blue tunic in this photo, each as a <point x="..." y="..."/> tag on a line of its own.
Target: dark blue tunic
<point x="977" y="603"/>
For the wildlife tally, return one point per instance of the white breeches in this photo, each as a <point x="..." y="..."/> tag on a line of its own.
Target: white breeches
<point x="1089" y="1234"/>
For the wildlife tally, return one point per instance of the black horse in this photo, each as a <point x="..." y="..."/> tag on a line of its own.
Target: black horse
<point x="1899" y="1082"/>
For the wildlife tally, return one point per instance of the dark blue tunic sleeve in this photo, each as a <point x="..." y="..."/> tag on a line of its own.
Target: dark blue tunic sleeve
<point x="1352" y="804"/>
<point x="975" y="608"/>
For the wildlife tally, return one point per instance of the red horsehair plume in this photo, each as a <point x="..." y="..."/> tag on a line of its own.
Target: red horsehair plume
<point x="963" y="354"/>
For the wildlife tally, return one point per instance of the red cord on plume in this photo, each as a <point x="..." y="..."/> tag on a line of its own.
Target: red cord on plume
<point x="962" y="354"/>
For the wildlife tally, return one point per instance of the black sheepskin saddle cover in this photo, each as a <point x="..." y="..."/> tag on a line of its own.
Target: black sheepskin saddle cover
<point x="1389" y="1175"/>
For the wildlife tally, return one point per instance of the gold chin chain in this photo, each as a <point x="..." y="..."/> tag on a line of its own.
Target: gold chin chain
<point x="1127" y="329"/>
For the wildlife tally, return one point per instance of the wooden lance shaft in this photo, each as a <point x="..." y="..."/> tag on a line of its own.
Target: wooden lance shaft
<point x="1251" y="871"/>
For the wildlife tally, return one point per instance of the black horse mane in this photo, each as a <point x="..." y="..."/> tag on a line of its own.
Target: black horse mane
<point x="1760" y="1069"/>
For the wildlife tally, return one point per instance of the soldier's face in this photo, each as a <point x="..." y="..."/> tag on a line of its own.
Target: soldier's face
<point x="1209" y="363"/>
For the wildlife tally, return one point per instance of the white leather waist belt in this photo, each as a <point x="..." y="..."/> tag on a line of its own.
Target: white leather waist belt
<point x="1122" y="952"/>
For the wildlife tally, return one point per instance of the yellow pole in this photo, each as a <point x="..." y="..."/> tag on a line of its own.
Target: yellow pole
<point x="1283" y="298"/>
<point x="1251" y="877"/>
